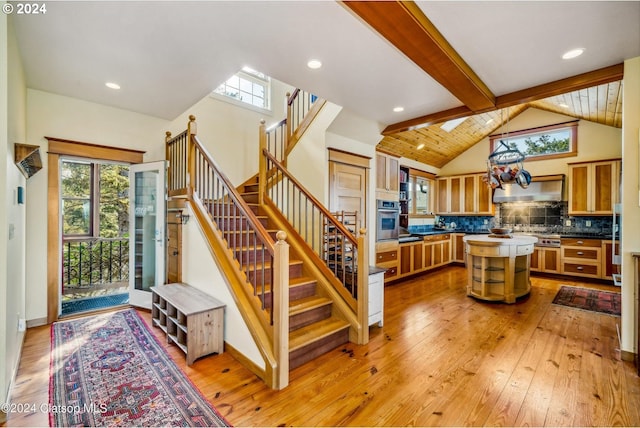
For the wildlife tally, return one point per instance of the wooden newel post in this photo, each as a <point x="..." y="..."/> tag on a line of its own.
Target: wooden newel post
<point x="363" y="287"/>
<point x="191" y="132"/>
<point x="280" y="302"/>
<point x="262" y="163"/>
<point x="167" y="157"/>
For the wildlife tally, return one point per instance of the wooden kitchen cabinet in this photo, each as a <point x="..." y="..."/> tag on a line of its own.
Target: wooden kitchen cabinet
<point x="439" y="249"/>
<point x="608" y="268"/>
<point x="457" y="251"/>
<point x="593" y="187"/>
<point x="465" y="194"/>
<point x="411" y="258"/>
<point x="546" y="259"/>
<point x="387" y="257"/>
<point x="387" y="176"/>
<point x="581" y="257"/>
<point x="449" y="195"/>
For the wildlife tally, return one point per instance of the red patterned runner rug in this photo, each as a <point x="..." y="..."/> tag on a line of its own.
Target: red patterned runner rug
<point x="110" y="370"/>
<point x="588" y="299"/>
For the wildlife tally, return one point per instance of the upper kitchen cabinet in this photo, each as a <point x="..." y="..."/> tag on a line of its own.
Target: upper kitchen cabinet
<point x="387" y="181"/>
<point x="465" y="194"/>
<point x="594" y="187"/>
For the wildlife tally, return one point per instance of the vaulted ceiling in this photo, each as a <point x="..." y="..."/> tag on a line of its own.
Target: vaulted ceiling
<point x="440" y="60"/>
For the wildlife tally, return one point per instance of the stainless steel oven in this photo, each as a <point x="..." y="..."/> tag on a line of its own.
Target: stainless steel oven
<point x="387" y="226"/>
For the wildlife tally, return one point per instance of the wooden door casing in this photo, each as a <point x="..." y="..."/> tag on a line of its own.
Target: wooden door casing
<point x="174" y="248"/>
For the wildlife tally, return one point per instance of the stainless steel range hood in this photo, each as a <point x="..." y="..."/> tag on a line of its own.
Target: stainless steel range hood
<point x="544" y="188"/>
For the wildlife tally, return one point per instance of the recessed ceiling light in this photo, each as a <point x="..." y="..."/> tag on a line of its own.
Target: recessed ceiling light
<point x="314" y="64"/>
<point x="112" y="85"/>
<point x="398" y="109"/>
<point x="420" y="146"/>
<point x="573" y="53"/>
<point x="488" y="122"/>
<point x="563" y="105"/>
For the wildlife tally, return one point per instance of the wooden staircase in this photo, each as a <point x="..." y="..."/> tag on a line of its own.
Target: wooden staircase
<point x="314" y="329"/>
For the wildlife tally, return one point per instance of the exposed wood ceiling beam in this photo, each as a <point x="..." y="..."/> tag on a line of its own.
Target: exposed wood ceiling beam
<point x="562" y="86"/>
<point x="404" y="25"/>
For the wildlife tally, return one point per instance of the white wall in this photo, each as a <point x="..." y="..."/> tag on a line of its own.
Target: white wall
<point x="594" y="142"/>
<point x="12" y="215"/>
<point x="630" y="200"/>
<point x="200" y="271"/>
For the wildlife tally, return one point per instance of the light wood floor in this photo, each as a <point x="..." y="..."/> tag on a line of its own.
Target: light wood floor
<point x="442" y="358"/>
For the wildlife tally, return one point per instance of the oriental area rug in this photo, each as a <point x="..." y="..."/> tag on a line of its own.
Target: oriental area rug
<point x="590" y="300"/>
<point x="110" y="370"/>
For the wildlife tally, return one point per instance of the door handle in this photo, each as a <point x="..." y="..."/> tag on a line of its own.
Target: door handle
<point x="175" y="253"/>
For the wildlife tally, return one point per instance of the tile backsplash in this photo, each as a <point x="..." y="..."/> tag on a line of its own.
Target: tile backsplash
<point x="534" y="217"/>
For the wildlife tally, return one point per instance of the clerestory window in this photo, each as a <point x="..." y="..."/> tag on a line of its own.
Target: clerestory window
<point x="553" y="141"/>
<point x="249" y="87"/>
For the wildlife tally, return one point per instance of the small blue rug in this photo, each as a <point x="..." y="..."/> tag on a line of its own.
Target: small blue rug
<point x="94" y="303"/>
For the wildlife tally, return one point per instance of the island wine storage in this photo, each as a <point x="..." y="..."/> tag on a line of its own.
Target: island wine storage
<point x="191" y="319"/>
<point x="498" y="268"/>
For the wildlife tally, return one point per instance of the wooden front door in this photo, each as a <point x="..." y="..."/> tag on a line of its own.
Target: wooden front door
<point x="347" y="188"/>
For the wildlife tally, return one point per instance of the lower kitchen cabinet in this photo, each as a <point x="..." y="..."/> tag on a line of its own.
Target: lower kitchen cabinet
<point x="581" y="257"/>
<point x="546" y="259"/>
<point x="457" y="251"/>
<point x="387" y="257"/>
<point x="439" y="249"/>
<point x="413" y="257"/>
<point x="608" y="268"/>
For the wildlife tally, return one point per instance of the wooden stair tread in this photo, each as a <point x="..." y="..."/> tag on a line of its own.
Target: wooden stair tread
<point x="307" y="303"/>
<point x="300" y="280"/>
<point x="311" y="333"/>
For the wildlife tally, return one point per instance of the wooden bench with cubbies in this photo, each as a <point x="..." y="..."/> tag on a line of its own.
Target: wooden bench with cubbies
<point x="191" y="319"/>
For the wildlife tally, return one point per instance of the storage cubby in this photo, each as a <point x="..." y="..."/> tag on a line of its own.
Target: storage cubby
<point x="191" y="319"/>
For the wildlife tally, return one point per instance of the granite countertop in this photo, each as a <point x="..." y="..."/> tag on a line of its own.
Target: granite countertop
<point x="375" y="269"/>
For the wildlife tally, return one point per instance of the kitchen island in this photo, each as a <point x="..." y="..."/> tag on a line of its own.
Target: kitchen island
<point x="498" y="266"/>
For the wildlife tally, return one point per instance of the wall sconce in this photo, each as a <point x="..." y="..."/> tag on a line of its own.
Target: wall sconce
<point x="184" y="218"/>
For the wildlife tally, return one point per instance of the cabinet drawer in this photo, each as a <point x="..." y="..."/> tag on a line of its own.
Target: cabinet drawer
<point x="575" y="242"/>
<point x="432" y="238"/>
<point x="391" y="272"/>
<point x="581" y="269"/>
<point x="480" y="250"/>
<point x="581" y="253"/>
<point x="524" y="249"/>
<point x="386" y="256"/>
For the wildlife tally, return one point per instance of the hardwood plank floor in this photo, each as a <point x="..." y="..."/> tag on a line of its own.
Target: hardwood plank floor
<point x="441" y="359"/>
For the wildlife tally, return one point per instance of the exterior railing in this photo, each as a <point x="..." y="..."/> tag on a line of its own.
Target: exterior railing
<point x="87" y="262"/>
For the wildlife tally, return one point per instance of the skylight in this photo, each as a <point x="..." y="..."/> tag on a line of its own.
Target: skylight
<point x="450" y="125"/>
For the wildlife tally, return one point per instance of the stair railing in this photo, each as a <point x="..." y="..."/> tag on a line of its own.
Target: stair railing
<point x="343" y="254"/>
<point x="237" y="226"/>
<point x="302" y="108"/>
